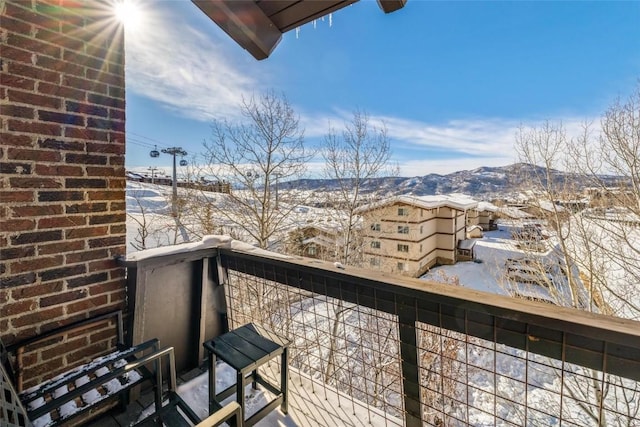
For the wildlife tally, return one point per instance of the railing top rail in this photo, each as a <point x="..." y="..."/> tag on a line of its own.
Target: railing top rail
<point x="607" y="328"/>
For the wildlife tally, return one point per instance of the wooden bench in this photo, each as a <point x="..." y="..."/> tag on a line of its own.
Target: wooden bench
<point x="89" y="387"/>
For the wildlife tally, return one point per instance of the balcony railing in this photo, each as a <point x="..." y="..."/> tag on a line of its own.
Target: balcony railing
<point x="387" y="350"/>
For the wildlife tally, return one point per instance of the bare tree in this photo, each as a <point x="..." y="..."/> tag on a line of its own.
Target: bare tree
<point x="256" y="155"/>
<point x="597" y="244"/>
<point x="354" y="159"/>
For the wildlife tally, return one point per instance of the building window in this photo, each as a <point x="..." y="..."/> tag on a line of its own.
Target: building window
<point x="311" y="250"/>
<point x="403" y="212"/>
<point x="403" y="248"/>
<point x="403" y="229"/>
<point x="375" y="244"/>
<point x="400" y="266"/>
<point x="374" y="262"/>
<point x="375" y="227"/>
<point x="420" y="247"/>
<point x="420" y="229"/>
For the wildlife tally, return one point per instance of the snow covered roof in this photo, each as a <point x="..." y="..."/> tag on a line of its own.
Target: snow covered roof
<point x="455" y="201"/>
<point x="486" y="207"/>
<point x="515" y="213"/>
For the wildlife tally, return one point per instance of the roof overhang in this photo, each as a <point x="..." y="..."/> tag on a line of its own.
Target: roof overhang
<point x="258" y="25"/>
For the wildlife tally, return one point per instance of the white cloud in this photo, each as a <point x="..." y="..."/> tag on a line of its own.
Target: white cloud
<point x="188" y="71"/>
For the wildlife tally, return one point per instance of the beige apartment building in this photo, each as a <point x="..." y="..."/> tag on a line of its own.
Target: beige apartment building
<point x="408" y="235"/>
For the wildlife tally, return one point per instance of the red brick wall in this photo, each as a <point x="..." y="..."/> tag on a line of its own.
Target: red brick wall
<point x="62" y="178"/>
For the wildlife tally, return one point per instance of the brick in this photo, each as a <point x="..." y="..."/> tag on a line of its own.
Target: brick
<point x="59" y="170"/>
<point x="115" y="69"/>
<point x="57" y="144"/>
<point x="117" y="92"/>
<point x="113" y="80"/>
<point x="36" y="290"/>
<point x="62" y="222"/>
<point x="88" y="85"/>
<point x="117" y="137"/>
<point x="61" y="91"/>
<point x="33" y="99"/>
<point x="88" y="109"/>
<point x="15" y="26"/>
<point x="103" y="264"/>
<point x="24" y="279"/>
<point x="35" y="128"/>
<point x="15" y="168"/>
<point x="59" y="273"/>
<point x="33" y="155"/>
<point x="110" y="148"/>
<point x="57" y="196"/>
<point x="24" y="70"/>
<point x="118" y="206"/>
<point x="60" y="247"/>
<point x="106" y="195"/>
<point x="65" y="347"/>
<point x="17" y="111"/>
<point x="63" y="297"/>
<point x="20" y="252"/>
<point x="118" y="297"/>
<point x="37" y="210"/>
<point x="81" y="233"/>
<point x="16" y="196"/>
<point x="19" y="307"/>
<point x="32" y="182"/>
<point x="87" y="280"/>
<point x="14" y="54"/>
<point x="107" y="334"/>
<point x="106" y="171"/>
<point x="85" y="183"/>
<point x="9" y="139"/>
<point x="85" y="159"/>
<point x="105" y="124"/>
<point x="106" y="101"/>
<point x="107" y="241"/>
<point x="17" y="224"/>
<point x="18" y="82"/>
<point x="85" y="60"/>
<point x="43" y="369"/>
<point x="87" y="304"/>
<point x="86" y="256"/>
<point x="66" y="68"/>
<point x="18" y="11"/>
<point x="107" y="219"/>
<point x="118" y="229"/>
<point x="117" y="114"/>
<point x="87" y="134"/>
<point x="39" y="236"/>
<point x="109" y="287"/>
<point x="62" y="118"/>
<point x="88" y="352"/>
<point x="36" y="264"/>
<point x="59" y="39"/>
<point x="116" y="160"/>
<point x="86" y="208"/>
<point x="33" y="45"/>
<point x="118" y="183"/>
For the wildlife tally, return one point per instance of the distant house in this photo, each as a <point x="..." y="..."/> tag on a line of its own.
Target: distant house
<point x="408" y="235"/>
<point x="318" y="240"/>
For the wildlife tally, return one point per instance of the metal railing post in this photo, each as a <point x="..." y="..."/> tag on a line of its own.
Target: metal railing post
<point x="405" y="307"/>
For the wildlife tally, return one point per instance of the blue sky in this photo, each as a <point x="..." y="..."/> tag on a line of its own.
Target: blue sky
<point x="451" y="80"/>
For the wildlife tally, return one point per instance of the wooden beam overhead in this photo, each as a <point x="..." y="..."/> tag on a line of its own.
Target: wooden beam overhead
<point x="258" y="25"/>
<point x="245" y="23"/>
<point x="389" y="6"/>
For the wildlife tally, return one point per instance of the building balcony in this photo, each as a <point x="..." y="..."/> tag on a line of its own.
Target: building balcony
<point x="379" y="349"/>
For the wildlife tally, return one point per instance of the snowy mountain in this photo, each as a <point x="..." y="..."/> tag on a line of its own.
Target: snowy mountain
<point x="483" y="181"/>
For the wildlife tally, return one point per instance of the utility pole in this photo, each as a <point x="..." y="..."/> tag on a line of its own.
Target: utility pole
<point x="153" y="173"/>
<point x="174" y="151"/>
